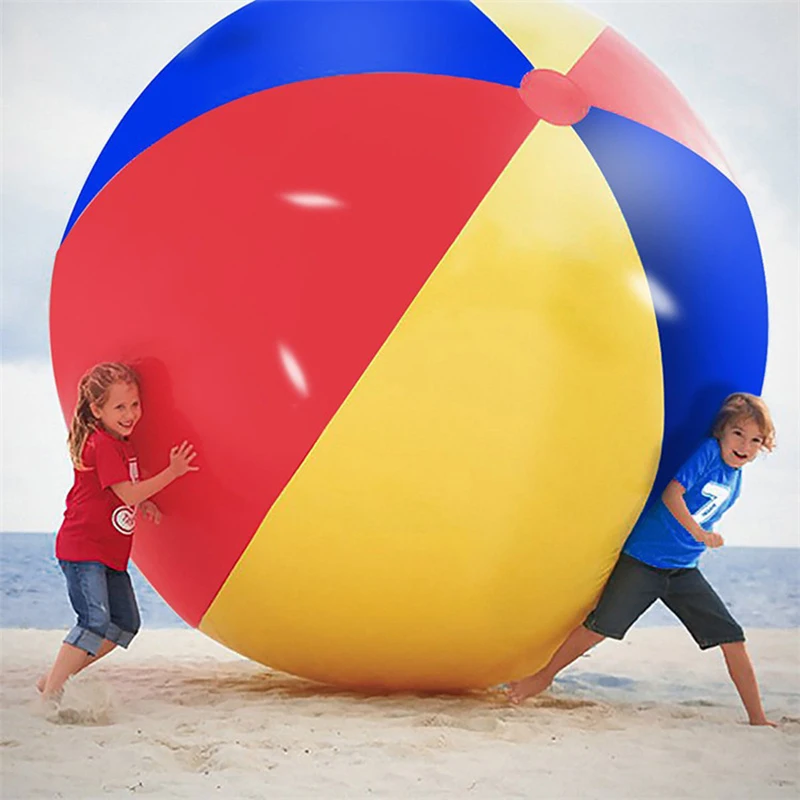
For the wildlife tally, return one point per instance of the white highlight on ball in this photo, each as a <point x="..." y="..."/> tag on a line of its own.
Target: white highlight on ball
<point x="312" y="200"/>
<point x="650" y="291"/>
<point x="293" y="370"/>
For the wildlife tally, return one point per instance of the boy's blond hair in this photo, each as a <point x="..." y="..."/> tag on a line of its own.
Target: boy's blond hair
<point x="741" y="405"/>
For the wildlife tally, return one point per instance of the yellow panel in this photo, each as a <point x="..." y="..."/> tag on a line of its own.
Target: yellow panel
<point x="551" y="35"/>
<point x="462" y="510"/>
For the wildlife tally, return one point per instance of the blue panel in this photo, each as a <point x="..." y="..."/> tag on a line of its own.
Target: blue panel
<point x="698" y="245"/>
<point x="275" y="42"/>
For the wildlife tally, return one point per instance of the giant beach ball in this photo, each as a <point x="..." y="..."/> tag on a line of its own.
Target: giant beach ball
<point x="442" y="292"/>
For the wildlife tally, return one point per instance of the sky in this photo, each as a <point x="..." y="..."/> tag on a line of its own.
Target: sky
<point x="71" y="69"/>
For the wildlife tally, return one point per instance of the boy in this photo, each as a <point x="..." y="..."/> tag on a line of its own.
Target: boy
<point x="659" y="558"/>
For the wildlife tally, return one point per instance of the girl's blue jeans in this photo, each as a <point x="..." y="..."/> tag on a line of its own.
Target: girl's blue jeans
<point x="104" y="601"/>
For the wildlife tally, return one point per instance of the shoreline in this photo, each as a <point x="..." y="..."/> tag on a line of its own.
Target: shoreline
<point x="178" y="715"/>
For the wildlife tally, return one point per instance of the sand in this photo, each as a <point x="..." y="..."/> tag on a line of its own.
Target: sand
<point x="179" y="716"/>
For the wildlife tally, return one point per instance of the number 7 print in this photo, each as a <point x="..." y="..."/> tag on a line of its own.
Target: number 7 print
<point x="717" y="494"/>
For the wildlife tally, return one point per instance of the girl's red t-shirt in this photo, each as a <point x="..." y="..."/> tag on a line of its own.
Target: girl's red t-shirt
<point x="97" y="525"/>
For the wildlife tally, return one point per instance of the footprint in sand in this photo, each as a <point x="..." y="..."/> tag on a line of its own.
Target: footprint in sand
<point x="563" y="703"/>
<point x="472" y="723"/>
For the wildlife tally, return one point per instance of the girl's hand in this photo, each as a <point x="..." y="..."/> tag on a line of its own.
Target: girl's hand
<point x="180" y="459"/>
<point x="150" y="511"/>
<point x="713" y="540"/>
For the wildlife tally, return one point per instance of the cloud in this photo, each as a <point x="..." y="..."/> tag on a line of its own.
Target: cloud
<point x="35" y="470"/>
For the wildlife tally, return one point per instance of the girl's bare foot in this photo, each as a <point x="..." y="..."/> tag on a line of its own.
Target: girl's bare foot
<point x="52" y="697"/>
<point x="527" y="687"/>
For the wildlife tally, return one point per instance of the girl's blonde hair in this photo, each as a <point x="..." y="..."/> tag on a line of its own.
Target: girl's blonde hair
<point x="741" y="405"/>
<point x="93" y="387"/>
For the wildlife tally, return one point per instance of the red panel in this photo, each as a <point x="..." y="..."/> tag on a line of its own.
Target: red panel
<point x="253" y="303"/>
<point x="553" y="97"/>
<point x="618" y="78"/>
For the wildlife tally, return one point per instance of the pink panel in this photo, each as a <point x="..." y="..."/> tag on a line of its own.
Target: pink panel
<point x="618" y="78"/>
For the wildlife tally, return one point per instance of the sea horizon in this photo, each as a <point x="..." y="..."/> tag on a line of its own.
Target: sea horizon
<point x="760" y="585"/>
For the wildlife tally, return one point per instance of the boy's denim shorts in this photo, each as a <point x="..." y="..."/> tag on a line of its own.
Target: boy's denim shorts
<point x="634" y="586"/>
<point x="104" y="601"/>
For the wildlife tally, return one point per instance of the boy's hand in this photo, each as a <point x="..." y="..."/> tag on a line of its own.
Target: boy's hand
<point x="150" y="511"/>
<point x="180" y="459"/>
<point x="713" y="540"/>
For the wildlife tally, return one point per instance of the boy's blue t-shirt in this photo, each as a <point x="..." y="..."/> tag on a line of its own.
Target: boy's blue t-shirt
<point x="712" y="487"/>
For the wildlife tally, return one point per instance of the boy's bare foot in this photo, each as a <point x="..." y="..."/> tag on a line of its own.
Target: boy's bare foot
<point x="527" y="687"/>
<point x="41" y="683"/>
<point x="764" y="721"/>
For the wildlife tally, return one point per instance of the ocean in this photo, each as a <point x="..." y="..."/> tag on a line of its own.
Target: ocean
<point x="760" y="585"/>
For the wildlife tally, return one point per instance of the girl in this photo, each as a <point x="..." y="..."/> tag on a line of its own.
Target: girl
<point x="659" y="558"/>
<point x="94" y="541"/>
